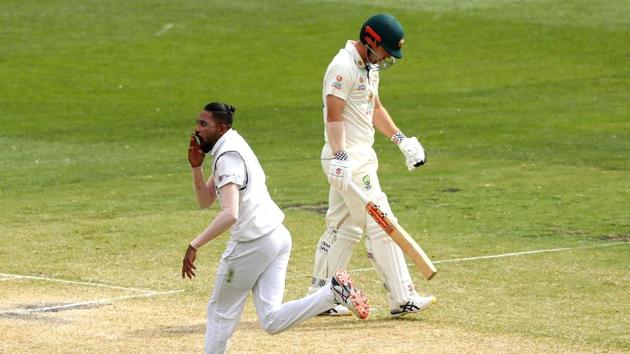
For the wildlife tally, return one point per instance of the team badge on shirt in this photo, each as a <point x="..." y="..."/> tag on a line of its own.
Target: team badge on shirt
<point x="361" y="86"/>
<point x="337" y="84"/>
<point x="367" y="182"/>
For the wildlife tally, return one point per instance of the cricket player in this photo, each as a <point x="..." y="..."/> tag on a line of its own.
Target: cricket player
<point x="257" y="253"/>
<point x="352" y="111"/>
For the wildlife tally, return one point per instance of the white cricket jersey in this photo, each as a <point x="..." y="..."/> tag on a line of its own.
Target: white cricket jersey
<point x="347" y="78"/>
<point x="235" y="162"/>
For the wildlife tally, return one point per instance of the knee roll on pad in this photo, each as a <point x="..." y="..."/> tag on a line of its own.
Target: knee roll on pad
<point x="351" y="233"/>
<point x="334" y="250"/>
<point x="346" y="238"/>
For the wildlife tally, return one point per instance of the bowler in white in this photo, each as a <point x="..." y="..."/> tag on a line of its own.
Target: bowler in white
<point x="257" y="253"/>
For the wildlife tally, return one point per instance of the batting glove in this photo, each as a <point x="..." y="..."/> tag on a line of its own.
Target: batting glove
<point x="340" y="173"/>
<point x="413" y="151"/>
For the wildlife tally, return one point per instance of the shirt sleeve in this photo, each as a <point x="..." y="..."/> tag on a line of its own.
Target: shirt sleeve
<point x="230" y="168"/>
<point x="338" y="82"/>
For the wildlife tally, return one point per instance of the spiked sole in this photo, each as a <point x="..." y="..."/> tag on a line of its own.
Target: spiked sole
<point x="360" y="306"/>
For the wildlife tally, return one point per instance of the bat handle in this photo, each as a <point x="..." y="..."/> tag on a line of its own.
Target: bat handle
<point x="364" y="198"/>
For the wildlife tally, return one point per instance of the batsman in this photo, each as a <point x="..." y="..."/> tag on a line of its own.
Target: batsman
<point x="352" y="111"/>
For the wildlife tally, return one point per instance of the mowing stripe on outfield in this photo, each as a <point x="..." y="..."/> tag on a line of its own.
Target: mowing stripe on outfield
<point x="32" y="277"/>
<point x="86" y="303"/>
<point x="511" y="254"/>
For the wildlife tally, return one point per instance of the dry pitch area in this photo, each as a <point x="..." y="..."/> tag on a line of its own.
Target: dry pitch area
<point x="55" y="316"/>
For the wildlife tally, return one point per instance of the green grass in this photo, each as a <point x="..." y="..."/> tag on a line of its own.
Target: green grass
<point x="521" y="106"/>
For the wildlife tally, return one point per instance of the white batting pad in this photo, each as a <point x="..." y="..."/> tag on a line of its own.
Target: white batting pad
<point x="334" y="251"/>
<point x="388" y="259"/>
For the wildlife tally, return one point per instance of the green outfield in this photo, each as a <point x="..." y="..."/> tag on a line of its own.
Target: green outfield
<point x="522" y="106"/>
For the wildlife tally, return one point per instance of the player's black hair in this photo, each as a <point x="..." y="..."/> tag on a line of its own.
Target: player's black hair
<point x="222" y="112"/>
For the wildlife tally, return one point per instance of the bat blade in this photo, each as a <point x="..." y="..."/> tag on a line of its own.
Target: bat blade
<point x="408" y="245"/>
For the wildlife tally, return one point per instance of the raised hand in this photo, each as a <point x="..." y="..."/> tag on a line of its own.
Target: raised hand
<point x="195" y="154"/>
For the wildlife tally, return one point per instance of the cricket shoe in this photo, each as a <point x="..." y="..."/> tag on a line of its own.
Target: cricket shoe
<point x="338" y="310"/>
<point x="347" y="295"/>
<point x="417" y="303"/>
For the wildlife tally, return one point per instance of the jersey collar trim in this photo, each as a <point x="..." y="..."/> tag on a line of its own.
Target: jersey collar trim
<point x="221" y="140"/>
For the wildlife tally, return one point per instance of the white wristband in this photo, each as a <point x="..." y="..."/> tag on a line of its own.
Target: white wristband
<point x="398" y="137"/>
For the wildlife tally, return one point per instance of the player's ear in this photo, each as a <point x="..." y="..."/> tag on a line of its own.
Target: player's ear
<point x="224" y="128"/>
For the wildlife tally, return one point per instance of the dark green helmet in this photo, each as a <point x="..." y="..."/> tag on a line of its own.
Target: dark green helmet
<point x="383" y="30"/>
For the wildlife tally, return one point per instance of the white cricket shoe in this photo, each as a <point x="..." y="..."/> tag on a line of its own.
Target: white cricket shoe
<point x="415" y="304"/>
<point x="346" y="294"/>
<point x="338" y="310"/>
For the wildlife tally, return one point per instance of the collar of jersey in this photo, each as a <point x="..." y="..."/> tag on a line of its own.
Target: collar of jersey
<point x="355" y="54"/>
<point x="221" y="141"/>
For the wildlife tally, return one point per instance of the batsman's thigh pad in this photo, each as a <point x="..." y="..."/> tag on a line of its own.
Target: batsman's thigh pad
<point x="334" y="251"/>
<point x="388" y="259"/>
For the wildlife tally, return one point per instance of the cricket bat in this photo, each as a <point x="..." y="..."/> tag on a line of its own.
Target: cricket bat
<point x="408" y="245"/>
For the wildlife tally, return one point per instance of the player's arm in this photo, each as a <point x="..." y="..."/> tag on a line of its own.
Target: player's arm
<point x="204" y="191"/>
<point x="337" y="86"/>
<point x="206" y="195"/>
<point x="334" y="123"/>
<point x="410" y="147"/>
<point x="382" y="120"/>
<point x="222" y="221"/>
<point x="340" y="172"/>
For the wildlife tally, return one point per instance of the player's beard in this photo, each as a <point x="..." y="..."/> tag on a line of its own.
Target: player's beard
<point x="206" y="146"/>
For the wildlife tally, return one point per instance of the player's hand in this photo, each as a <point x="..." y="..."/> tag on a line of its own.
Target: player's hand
<point x="189" y="259"/>
<point x="340" y="173"/>
<point x="195" y="154"/>
<point x="413" y="151"/>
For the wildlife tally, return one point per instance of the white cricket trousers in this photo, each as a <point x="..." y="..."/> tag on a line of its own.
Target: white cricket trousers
<point x="259" y="265"/>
